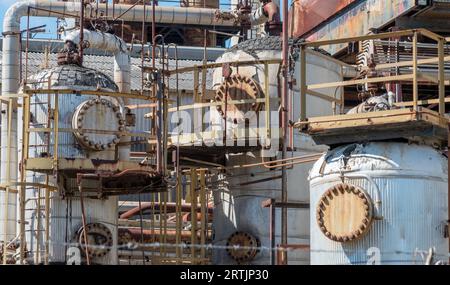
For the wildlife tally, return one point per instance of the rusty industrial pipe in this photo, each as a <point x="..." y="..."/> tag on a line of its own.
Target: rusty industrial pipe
<point x="284" y="121"/>
<point x="171" y="207"/>
<point x="154" y="234"/>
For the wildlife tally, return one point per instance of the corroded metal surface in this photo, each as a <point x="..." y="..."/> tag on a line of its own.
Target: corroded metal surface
<point x="242" y="247"/>
<point x="71" y="76"/>
<point x="344" y="213"/>
<point x="238" y="198"/>
<point x="408" y="186"/>
<point x="237" y="87"/>
<point x="70" y="152"/>
<point x="90" y="115"/>
<point x="304" y="15"/>
<point x="359" y="20"/>
<point x="99" y="240"/>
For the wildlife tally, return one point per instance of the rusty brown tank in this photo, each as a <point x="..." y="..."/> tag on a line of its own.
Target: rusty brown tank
<point x="305" y="15"/>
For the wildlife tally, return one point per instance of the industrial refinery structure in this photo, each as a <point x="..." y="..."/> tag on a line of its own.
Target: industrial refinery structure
<point x="246" y="132"/>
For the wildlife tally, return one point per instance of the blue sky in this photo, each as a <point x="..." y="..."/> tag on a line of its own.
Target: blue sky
<point x="34" y="21"/>
<point x="51" y="22"/>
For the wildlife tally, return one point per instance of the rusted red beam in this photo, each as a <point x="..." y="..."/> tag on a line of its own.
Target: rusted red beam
<point x="305" y="15"/>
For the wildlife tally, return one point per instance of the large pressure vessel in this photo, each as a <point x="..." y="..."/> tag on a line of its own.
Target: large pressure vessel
<point x="379" y="203"/>
<point x="239" y="218"/>
<point x="80" y="112"/>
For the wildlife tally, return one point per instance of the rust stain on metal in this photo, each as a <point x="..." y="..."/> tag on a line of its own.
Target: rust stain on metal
<point x="305" y="15"/>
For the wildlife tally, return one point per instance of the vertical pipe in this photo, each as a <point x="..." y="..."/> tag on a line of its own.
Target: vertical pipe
<point x="22" y="194"/>
<point x="441" y="77"/>
<point x="193" y="214"/>
<point x="27" y="45"/>
<point x="178" y="190"/>
<point x="178" y="218"/>
<point x="38" y="231"/>
<point x="143" y="49"/>
<point x="159" y="113"/>
<point x="284" y="197"/>
<point x="415" y="82"/>
<point x="47" y="221"/>
<point x="267" y="98"/>
<point x="204" y="215"/>
<point x="272" y="232"/>
<point x="56" y="131"/>
<point x="81" y="46"/>
<point x="152" y="225"/>
<point x="302" y="83"/>
<point x="160" y="224"/>
<point x="164" y="240"/>
<point x="154" y="85"/>
<point x="197" y="111"/>
<point x="83" y="221"/>
<point x="141" y="224"/>
<point x="341" y="97"/>
<point x="8" y="132"/>
<point x="8" y="182"/>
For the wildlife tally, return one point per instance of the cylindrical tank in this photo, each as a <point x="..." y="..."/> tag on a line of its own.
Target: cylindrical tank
<point x="81" y="112"/>
<point x="239" y="194"/>
<point x="378" y="203"/>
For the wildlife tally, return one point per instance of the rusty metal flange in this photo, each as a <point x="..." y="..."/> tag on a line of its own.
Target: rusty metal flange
<point x="237" y="87"/>
<point x="98" y="114"/>
<point x="344" y="213"/>
<point x="242" y="247"/>
<point x="100" y="240"/>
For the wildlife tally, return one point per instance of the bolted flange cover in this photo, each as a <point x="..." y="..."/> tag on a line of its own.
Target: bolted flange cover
<point x="242" y="246"/>
<point x="237" y="87"/>
<point x="99" y="240"/>
<point x="94" y="116"/>
<point x="344" y="213"/>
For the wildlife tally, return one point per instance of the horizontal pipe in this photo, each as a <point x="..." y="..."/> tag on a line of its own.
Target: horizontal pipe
<point x="163" y="14"/>
<point x="155" y="234"/>
<point x="171" y="207"/>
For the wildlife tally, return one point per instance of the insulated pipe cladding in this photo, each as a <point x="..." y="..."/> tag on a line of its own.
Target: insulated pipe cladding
<point x="110" y="43"/>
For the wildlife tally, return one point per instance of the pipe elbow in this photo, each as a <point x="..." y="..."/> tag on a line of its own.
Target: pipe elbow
<point x="99" y="40"/>
<point x="11" y="20"/>
<point x="73" y="37"/>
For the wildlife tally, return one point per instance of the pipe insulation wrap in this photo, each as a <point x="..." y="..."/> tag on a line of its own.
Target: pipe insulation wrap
<point x="115" y="45"/>
<point x="163" y="14"/>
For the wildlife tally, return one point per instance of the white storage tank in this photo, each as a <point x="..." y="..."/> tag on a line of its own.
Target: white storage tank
<point x="238" y="197"/>
<point x="81" y="112"/>
<point x="379" y="203"/>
